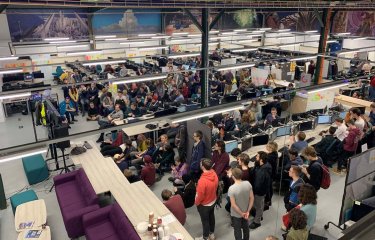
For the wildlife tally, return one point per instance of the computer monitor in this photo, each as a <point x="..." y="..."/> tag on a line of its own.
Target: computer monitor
<point x="279" y="89"/>
<point x="29" y="77"/>
<point x="246" y="143"/>
<point x="276" y="122"/>
<point x="324" y="119"/>
<point x="282" y="131"/>
<point x="346" y="92"/>
<point x="317" y="112"/>
<point x="165" y="112"/>
<point x="230" y="145"/>
<point x="273" y="135"/>
<point x="229" y="99"/>
<point x="342" y="115"/>
<point x="249" y="95"/>
<point x="305" y="126"/>
<point x="260" y="140"/>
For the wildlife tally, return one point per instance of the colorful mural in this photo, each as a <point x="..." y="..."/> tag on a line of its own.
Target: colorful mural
<point x="297" y="21"/>
<point x="37" y="24"/>
<point x="126" y="22"/>
<point x="245" y="18"/>
<point x="359" y="23"/>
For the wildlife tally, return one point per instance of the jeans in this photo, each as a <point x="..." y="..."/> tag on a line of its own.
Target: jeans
<point x="343" y="158"/>
<point x="207" y="214"/>
<point x="84" y="103"/>
<point x="259" y="208"/>
<point x="69" y="116"/>
<point x="241" y="228"/>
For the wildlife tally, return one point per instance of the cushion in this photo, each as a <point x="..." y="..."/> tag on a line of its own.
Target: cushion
<point x="103" y="230"/>
<point x="36" y="169"/>
<point x="87" y="191"/>
<point x="21" y="198"/>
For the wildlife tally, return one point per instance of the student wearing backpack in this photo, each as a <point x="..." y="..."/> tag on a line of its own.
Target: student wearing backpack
<point x="313" y="172"/>
<point x="350" y="144"/>
<point x="325" y="148"/>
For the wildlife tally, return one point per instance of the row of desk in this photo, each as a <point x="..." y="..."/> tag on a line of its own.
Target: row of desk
<point x="135" y="199"/>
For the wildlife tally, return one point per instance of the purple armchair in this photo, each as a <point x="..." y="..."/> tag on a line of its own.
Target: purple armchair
<point x="76" y="197"/>
<point x="109" y="223"/>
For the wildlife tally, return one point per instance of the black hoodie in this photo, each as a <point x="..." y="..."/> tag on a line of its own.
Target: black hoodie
<point x="262" y="179"/>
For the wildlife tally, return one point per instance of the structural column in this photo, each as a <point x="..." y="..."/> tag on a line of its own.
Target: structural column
<point x="205" y="58"/>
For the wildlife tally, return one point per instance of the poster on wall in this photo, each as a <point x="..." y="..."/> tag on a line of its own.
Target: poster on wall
<point x="180" y="22"/>
<point x="319" y="100"/>
<point x="245" y="18"/>
<point x="37" y="24"/>
<point x="359" y="23"/>
<point x="296" y="21"/>
<point x="259" y="76"/>
<point x="126" y="22"/>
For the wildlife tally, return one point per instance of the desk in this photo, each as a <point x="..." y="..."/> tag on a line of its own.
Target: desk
<point x="46" y="234"/>
<point x="34" y="211"/>
<point x="137" y="201"/>
<point x="353" y="102"/>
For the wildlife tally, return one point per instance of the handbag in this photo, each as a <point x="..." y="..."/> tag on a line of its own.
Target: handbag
<point x="286" y="219"/>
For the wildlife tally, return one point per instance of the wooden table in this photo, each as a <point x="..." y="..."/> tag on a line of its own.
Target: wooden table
<point x="137" y="201"/>
<point x="46" y="234"/>
<point x="34" y="212"/>
<point x="353" y="102"/>
<point x="102" y="172"/>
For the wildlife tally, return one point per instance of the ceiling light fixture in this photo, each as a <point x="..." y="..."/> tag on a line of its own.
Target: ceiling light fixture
<point x="83" y="53"/>
<point x="56" y="39"/>
<point x="132" y="43"/>
<point x="8" y="58"/>
<point x="104" y="62"/>
<point x="180" y="33"/>
<point x="20" y="156"/>
<point x="240" y="30"/>
<point x="115" y="39"/>
<point x="235" y="67"/>
<point x="328" y="88"/>
<point x="59" y="42"/>
<point x="105" y="36"/>
<point x="142" y="79"/>
<point x="147" y="35"/>
<point x="284" y="30"/>
<point x="72" y="46"/>
<point x="11" y="71"/>
<point x="244" y="50"/>
<point x="18" y="95"/>
<point x="184" y="55"/>
<point x="311" y="31"/>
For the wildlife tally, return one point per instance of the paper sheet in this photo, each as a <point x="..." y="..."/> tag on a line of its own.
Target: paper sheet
<point x="167" y="219"/>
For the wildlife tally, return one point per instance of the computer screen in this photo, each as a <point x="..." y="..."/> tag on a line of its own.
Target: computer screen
<point x="342" y="115"/>
<point x="29" y="77"/>
<point x="273" y="135"/>
<point x="324" y="119"/>
<point x="363" y="109"/>
<point x="282" y="131"/>
<point x="260" y="140"/>
<point x="229" y="146"/>
<point x="304" y="126"/>
<point x="246" y="143"/>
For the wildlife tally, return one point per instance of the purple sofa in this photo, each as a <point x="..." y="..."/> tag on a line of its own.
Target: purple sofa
<point x="109" y="223"/>
<point x="76" y="197"/>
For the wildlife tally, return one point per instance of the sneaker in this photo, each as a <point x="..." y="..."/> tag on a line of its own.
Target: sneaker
<point x="211" y="236"/>
<point x="254" y="225"/>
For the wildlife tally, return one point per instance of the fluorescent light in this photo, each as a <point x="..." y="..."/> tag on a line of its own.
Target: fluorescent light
<point x="72" y="46"/>
<point x="244" y="50"/>
<point x="235" y="67"/>
<point x="283" y="38"/>
<point x="343" y="33"/>
<point x="132" y="43"/>
<point x="331" y="41"/>
<point x="184" y="55"/>
<point x="194" y="35"/>
<point x="341" y="53"/>
<point x="284" y="33"/>
<point x="58" y="42"/>
<point x="18" y="95"/>
<point x="8" y="58"/>
<point x="363" y="38"/>
<point x="160" y="37"/>
<point x="11" y="71"/>
<point x="258" y="31"/>
<point x="105" y="36"/>
<point x="265" y="29"/>
<point x="311" y="31"/>
<point x="115" y="39"/>
<point x="214" y="31"/>
<point x="104" y="62"/>
<point x="142" y="79"/>
<point x="56" y="39"/>
<point x="153" y="48"/>
<point x="303" y="58"/>
<point x="147" y="35"/>
<point x="248" y="40"/>
<point x="209" y="113"/>
<point x="328" y="88"/>
<point x="180" y="33"/>
<point x="83" y="53"/>
<point x="228" y="33"/>
<point x="240" y="30"/>
<point x="7" y="159"/>
<point x="283" y="30"/>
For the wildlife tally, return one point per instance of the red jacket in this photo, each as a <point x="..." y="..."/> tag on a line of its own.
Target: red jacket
<point x="148" y="175"/>
<point x="176" y="206"/>
<point x="206" y="188"/>
<point x="351" y="141"/>
<point x="221" y="162"/>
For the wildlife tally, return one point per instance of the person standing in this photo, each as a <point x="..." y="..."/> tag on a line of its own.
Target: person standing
<point x="197" y="154"/>
<point x="291" y="198"/>
<point x="205" y="199"/>
<point x="241" y="199"/>
<point x="220" y="159"/>
<point x="262" y="173"/>
<point x="314" y="171"/>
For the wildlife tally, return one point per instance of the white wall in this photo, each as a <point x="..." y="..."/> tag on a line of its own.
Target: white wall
<point x="4" y="36"/>
<point x="354" y="44"/>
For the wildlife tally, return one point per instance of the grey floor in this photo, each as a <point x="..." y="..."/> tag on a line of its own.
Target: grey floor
<point x="329" y="203"/>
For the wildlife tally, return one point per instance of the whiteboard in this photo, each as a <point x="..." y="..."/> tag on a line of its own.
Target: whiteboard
<point x="259" y="76"/>
<point x="319" y="100"/>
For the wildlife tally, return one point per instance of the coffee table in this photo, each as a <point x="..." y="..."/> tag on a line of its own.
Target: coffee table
<point x="45" y="234"/>
<point x="30" y="215"/>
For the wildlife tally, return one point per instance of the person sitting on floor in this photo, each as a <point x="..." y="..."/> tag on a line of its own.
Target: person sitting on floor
<point x="93" y="113"/>
<point x="164" y="159"/>
<point x="133" y="111"/>
<point x="117" y="114"/>
<point x="149" y="151"/>
<point x="148" y="172"/>
<point x="188" y="192"/>
<point x="174" y="204"/>
<point x="67" y="109"/>
<point x="132" y="178"/>
<point x="179" y="169"/>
